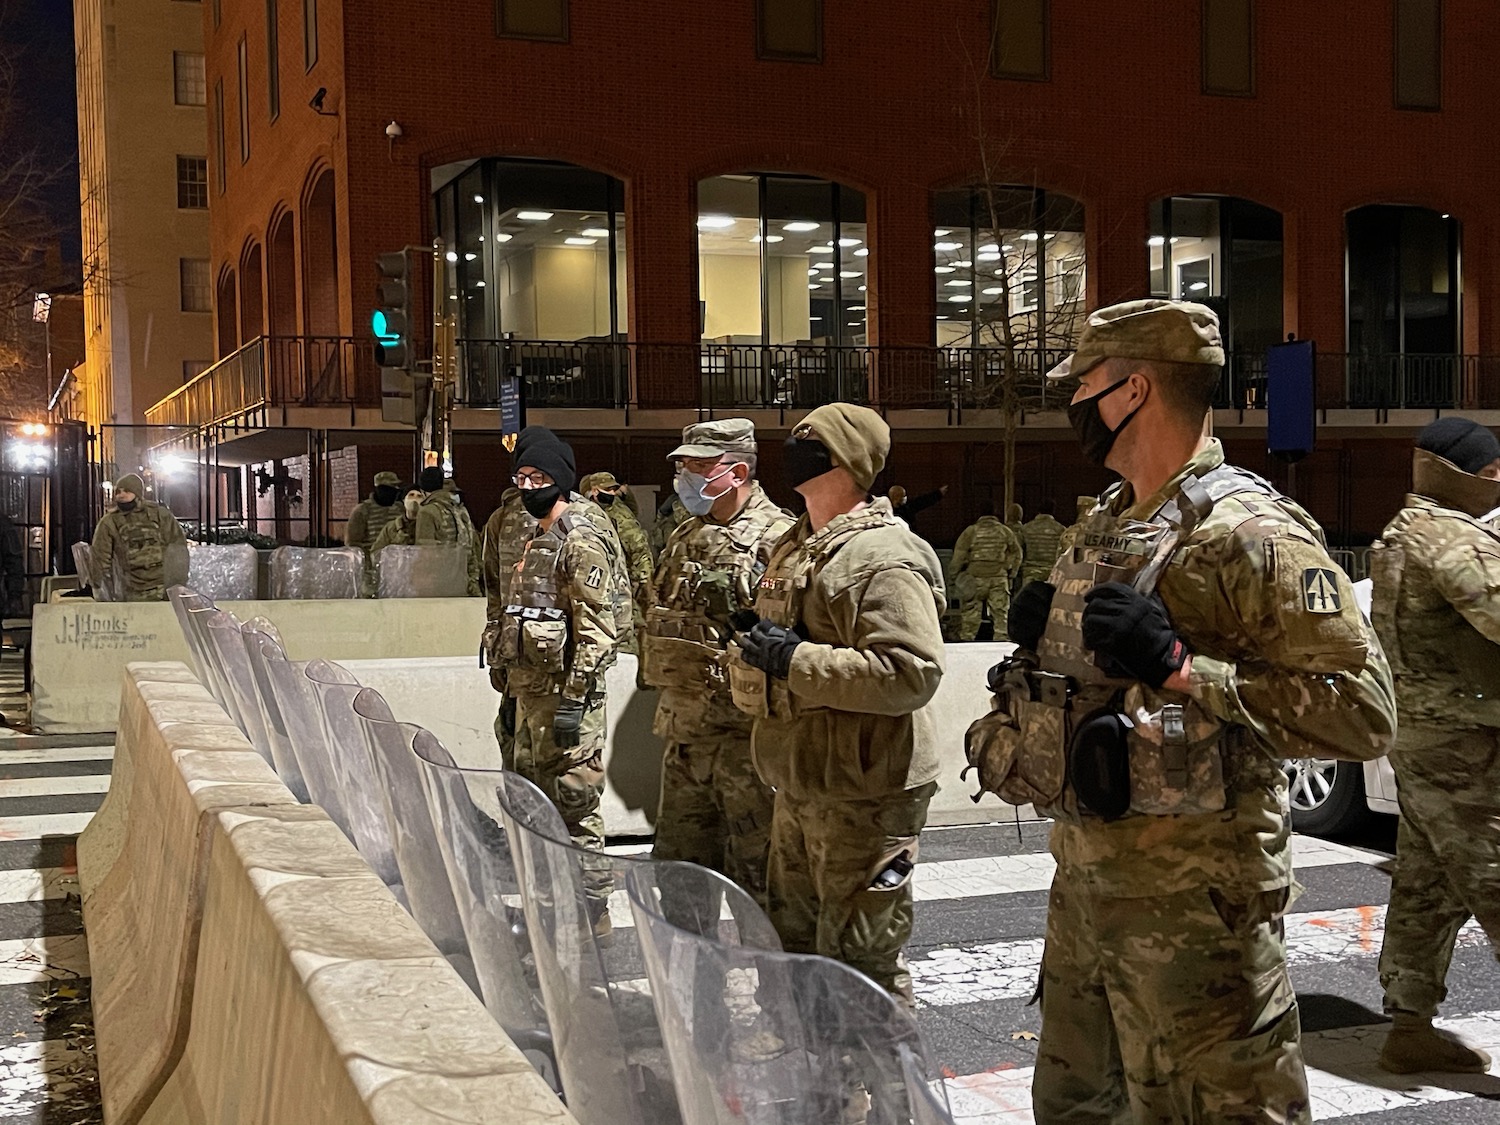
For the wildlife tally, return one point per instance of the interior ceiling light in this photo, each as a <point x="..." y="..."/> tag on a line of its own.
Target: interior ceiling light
<point x="715" y="222"/>
<point x="862" y="252"/>
<point x="813" y="285"/>
<point x="479" y="199"/>
<point x="1198" y="286"/>
<point x="822" y="265"/>
<point x="479" y="284"/>
<point x="1007" y="247"/>
<point x="825" y="249"/>
<point x="850" y="273"/>
<point x="769" y="238"/>
<point x="1156" y="240"/>
<point x="579" y="241"/>
<point x="964" y="264"/>
<point x="943" y="269"/>
<point x="942" y="316"/>
<point x="857" y="241"/>
<point x="989" y="257"/>
<point x="861" y="288"/>
<point x="961" y="299"/>
<point x="534" y="216"/>
<point x="501" y="237"/>
<point x="856" y="308"/>
<point x="452" y="255"/>
<point x="1029" y="236"/>
<point x="812" y="271"/>
<point x="940" y="232"/>
<point x="947" y="245"/>
<point x="595" y="232"/>
<point x="994" y="292"/>
<point x="989" y="248"/>
<point x="956" y="283"/>
<point x="799" y="227"/>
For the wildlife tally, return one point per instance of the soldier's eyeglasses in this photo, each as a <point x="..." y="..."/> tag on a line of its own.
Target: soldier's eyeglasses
<point x="531" y="480"/>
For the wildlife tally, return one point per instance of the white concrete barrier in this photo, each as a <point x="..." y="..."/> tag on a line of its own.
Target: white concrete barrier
<point x="453" y="699"/>
<point x="80" y="648"/>
<point x="249" y="968"/>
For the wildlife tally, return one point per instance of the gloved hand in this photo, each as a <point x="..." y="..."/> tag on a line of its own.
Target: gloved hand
<point x="566" y="724"/>
<point x="1027" y="620"/>
<point x="1132" y="632"/>
<point x="769" y="647"/>
<point x="506" y="718"/>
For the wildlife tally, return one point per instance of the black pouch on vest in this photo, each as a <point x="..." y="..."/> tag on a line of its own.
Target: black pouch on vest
<point x="1099" y="763"/>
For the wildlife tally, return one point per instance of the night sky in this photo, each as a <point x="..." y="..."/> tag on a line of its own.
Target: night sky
<point x="40" y="34"/>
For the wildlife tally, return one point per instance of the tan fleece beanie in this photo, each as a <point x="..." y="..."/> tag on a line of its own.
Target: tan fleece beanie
<point x="856" y="436"/>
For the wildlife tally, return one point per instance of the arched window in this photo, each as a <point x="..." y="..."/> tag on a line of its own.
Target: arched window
<point x="281" y="277"/>
<point x="252" y="295"/>
<point x="227" y="310"/>
<point x="320" y="268"/>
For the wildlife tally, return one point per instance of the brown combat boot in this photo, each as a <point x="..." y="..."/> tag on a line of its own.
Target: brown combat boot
<point x="1414" y="1046"/>
<point x="604" y="927"/>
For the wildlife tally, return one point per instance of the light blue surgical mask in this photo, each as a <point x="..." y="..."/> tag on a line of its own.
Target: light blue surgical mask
<point x="692" y="488"/>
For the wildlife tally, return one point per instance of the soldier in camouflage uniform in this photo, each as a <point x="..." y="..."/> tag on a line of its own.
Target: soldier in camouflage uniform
<point x="372" y="514"/>
<point x="668" y="516"/>
<point x="555" y="638"/>
<point x="505" y="536"/>
<point x="605" y="491"/>
<point x="401" y="531"/>
<point x="443" y="521"/>
<point x="1436" y="605"/>
<point x="140" y="542"/>
<point x="1202" y="605"/>
<point x="1015" y="518"/>
<point x="839" y="673"/>
<point x="1040" y="544"/>
<point x="981" y="572"/>
<point x="715" y="811"/>
<point x="476" y="561"/>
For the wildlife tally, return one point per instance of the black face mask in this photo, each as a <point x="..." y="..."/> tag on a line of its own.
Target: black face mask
<point x="1093" y="432"/>
<point x="806" y="459"/>
<point x="605" y="498"/>
<point x="125" y="505"/>
<point x="540" y="501"/>
<point x="385" y="494"/>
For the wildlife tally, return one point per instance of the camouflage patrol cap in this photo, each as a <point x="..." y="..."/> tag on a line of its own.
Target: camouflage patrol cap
<point x="387" y="477"/>
<point x="1165" y="331"/>
<point x="716" y="438"/>
<point x="597" y="481"/>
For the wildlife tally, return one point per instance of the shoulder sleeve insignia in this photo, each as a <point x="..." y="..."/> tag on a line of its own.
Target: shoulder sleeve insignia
<point x="595" y="578"/>
<point x="1320" y="591"/>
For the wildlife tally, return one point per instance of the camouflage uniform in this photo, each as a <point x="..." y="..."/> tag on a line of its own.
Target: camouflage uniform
<point x="1436" y="604"/>
<point x="1040" y="544"/>
<point x="144" y="548"/>
<point x="985" y="560"/>
<point x="715" y="811"/>
<point x="639" y="561"/>
<point x="505" y="535"/>
<point x="399" y="532"/>
<point x="564" y="572"/>
<point x="1069" y="537"/>
<point x="1164" y="987"/>
<point x="668" y="516"/>
<point x="849" y="741"/>
<point x="368" y="519"/>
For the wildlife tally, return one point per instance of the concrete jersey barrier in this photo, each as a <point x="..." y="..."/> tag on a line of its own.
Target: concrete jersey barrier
<point x="248" y="966"/>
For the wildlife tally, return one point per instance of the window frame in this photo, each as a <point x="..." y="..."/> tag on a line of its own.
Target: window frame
<point x="565" y="36"/>
<point x="1396" y="60"/>
<point x="187" y="185"/>
<point x="768" y="55"/>
<point x="177" y="78"/>
<point x="183" y="287"/>
<point x="273" y="59"/>
<point x="1216" y="92"/>
<point x="221" y="155"/>
<point x="242" y="66"/>
<point x="309" y="35"/>
<point x="1015" y="76"/>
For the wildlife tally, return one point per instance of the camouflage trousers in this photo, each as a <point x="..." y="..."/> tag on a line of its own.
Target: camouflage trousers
<point x="1167" y="1010"/>
<point x="824" y="857"/>
<point x="715" y="811"/>
<point x="572" y="779"/>
<point x="1447" y="869"/>
<point x="991" y="592"/>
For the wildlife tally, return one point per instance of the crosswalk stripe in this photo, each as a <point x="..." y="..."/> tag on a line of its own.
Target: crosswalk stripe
<point x="54" y="786"/>
<point x="1342" y="1077"/>
<point x="36" y="827"/>
<point x="54" y="957"/>
<point x="37" y="883"/>
<point x="57" y="754"/>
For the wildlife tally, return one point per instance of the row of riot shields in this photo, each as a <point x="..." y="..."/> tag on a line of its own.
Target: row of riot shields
<point x="687" y="1012"/>
<point x="239" y="572"/>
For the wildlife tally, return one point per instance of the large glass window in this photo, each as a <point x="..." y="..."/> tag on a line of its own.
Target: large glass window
<point x="1402" y="281"/>
<point x="1225" y="253"/>
<point x="1010" y="269"/>
<point x="189" y="83"/>
<point x="781" y="260"/>
<point x="536" y="249"/>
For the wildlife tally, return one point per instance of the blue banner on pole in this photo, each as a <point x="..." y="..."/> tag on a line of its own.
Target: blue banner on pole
<point x="512" y="409"/>
<point x="1291" y="420"/>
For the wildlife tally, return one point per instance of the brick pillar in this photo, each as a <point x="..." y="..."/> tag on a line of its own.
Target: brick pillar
<point x="901" y="301"/>
<point x="661" y="274"/>
<point x="1117" y="267"/>
<point x="1313" y="288"/>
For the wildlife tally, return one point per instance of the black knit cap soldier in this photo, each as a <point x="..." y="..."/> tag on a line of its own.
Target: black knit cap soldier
<point x="1193" y="636"/>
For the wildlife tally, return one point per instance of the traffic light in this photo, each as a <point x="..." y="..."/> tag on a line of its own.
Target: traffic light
<point x="391" y="321"/>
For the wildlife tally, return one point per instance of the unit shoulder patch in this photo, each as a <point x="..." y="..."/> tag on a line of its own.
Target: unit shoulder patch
<point x="1320" y="591"/>
<point x="595" y="578"/>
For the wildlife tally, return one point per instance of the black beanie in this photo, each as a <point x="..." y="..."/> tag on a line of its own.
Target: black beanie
<point x="431" y="479"/>
<point x="552" y="456"/>
<point x="526" y="437"/>
<point x="1466" y="443"/>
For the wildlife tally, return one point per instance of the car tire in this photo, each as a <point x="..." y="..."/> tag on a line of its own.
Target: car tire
<point x="1327" y="797"/>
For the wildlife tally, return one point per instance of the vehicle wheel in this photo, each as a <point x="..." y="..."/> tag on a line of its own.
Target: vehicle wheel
<point x="1327" y="796"/>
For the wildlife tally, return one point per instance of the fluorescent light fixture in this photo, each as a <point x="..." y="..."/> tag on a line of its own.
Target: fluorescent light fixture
<point x="957" y="283"/>
<point x="479" y="199"/>
<point x="1007" y="247"/>
<point x="943" y="269"/>
<point x="812" y="271"/>
<point x="1156" y="240"/>
<point x="470" y="256"/>
<point x="715" y="222"/>
<point x="801" y="226"/>
<point x="1445" y="215"/>
<point x="994" y="291"/>
<point x="942" y="316"/>
<point x="1198" y="286"/>
<point x="595" y="232"/>
<point x="813" y="285"/>
<point x="947" y="245"/>
<point x="857" y="241"/>
<point x="995" y="257"/>
<point x="960" y="299"/>
<point x="452" y="255"/>
<point x="534" y="216"/>
<point x="822" y="265"/>
<point x="856" y="308"/>
<point x="577" y="240"/>
<point x="815" y="318"/>
<point x="1029" y="236"/>
<point x="989" y="248"/>
<point x="824" y="249"/>
<point x="769" y="238"/>
<point x="862" y="252"/>
<point x="861" y="288"/>
<point x="965" y="264"/>
<point x="479" y="284"/>
<point x="940" y="232"/>
<point x="501" y="237"/>
<point x="850" y="273"/>
<point x="1175" y="241"/>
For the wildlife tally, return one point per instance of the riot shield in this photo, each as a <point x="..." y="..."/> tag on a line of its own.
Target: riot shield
<point x="305" y="573"/>
<point x="422" y="572"/>
<point x="225" y="573"/>
<point x="262" y="648"/>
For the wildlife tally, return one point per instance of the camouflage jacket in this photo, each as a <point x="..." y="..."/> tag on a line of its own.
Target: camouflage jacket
<point x="441" y="520"/>
<point x="145" y="548"/>
<point x="668" y="518"/>
<point x="399" y="532"/>
<point x="1040" y="543"/>
<point x="367" y="521"/>
<point x="867" y="594"/>
<point x="1281" y="653"/>
<point x="707" y="572"/>
<point x="637" y="549"/>
<point x="1436" y="604"/>
<point x="986" y="549"/>
<point x="505" y="535"/>
<point x="565" y="569"/>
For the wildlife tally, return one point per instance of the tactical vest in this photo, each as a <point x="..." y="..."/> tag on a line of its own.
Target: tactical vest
<point x="534" y="633"/>
<point x="779" y="598"/>
<point x="1174" y="749"/>
<point x="707" y="573"/>
<point x="988" y="549"/>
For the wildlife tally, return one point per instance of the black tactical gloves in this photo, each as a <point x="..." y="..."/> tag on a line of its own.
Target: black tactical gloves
<point x="1027" y="620"/>
<point x="1132" y="633"/>
<point x="566" y="724"/>
<point x="769" y="647"/>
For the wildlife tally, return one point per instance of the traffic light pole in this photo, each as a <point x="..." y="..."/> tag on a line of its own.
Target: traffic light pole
<point x="439" y="427"/>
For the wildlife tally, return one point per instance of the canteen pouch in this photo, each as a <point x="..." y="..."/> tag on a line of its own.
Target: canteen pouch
<point x="1019" y="748"/>
<point x="1176" y="756"/>
<point x="747" y="686"/>
<point x="544" y="640"/>
<point x="678" y="664"/>
<point x="502" y="639"/>
<point x="1099" y="765"/>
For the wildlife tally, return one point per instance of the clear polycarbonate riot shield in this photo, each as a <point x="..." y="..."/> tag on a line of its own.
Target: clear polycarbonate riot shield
<point x="761" y="1037"/>
<point x="422" y="572"/>
<point x="225" y="573"/>
<point x="608" y="1043"/>
<point x="192" y="610"/>
<point x="465" y="808"/>
<point x="228" y="646"/>
<point x="301" y="714"/>
<point x="413" y="838"/>
<point x="354" y="771"/>
<point x="929" y="1101"/>
<point x="111" y="585"/>
<point x="316" y="572"/>
<point x="262" y="648"/>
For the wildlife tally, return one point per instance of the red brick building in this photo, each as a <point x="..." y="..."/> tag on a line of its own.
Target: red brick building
<point x="631" y="199"/>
